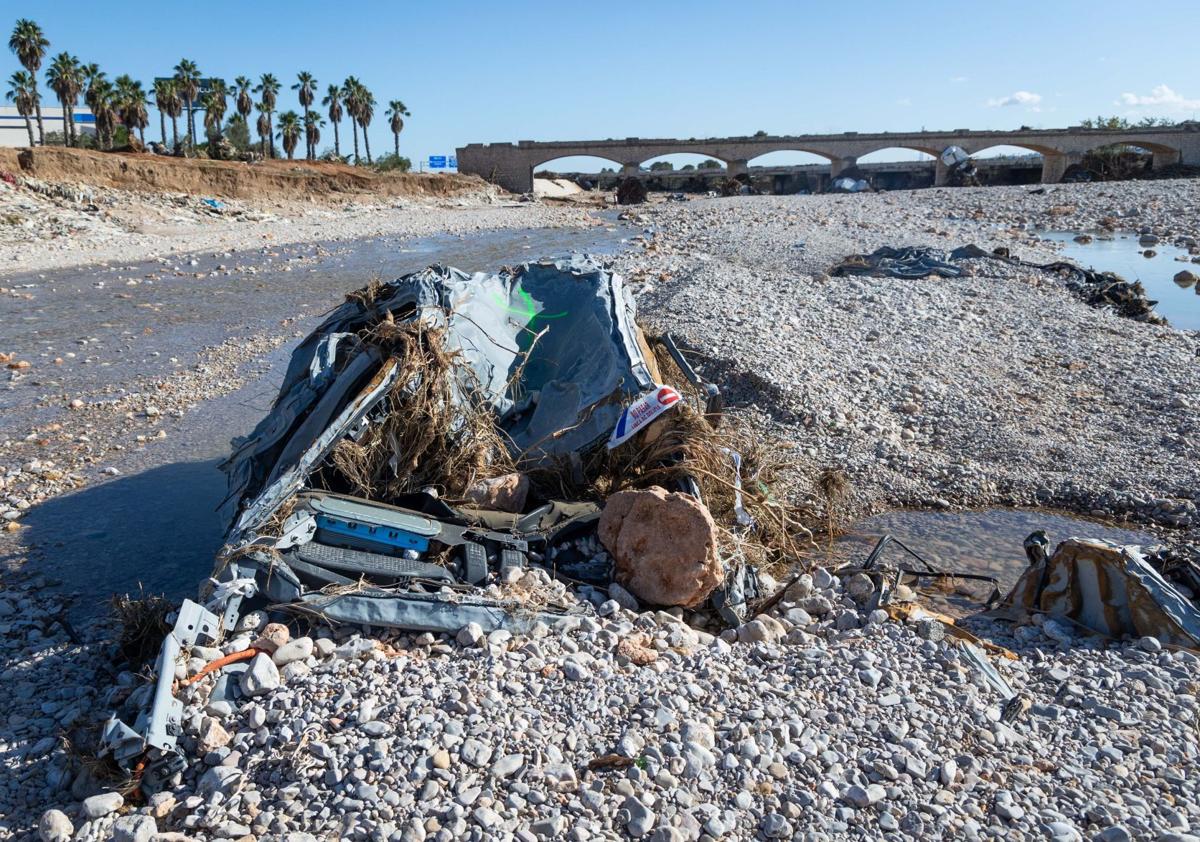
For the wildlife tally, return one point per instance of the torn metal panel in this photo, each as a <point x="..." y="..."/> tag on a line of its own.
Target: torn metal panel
<point x="158" y="728"/>
<point x="1105" y="588"/>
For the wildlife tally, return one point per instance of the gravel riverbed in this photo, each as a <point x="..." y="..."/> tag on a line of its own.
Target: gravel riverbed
<point x="822" y="721"/>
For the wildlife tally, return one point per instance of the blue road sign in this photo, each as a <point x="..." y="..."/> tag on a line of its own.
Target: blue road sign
<point x="437" y="162"/>
<point x="453" y="163"/>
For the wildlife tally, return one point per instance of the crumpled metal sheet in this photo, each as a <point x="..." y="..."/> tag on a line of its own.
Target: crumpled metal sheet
<point x="562" y="397"/>
<point x="1107" y="589"/>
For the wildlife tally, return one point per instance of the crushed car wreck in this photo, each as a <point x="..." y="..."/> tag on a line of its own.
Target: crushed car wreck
<point x="442" y="453"/>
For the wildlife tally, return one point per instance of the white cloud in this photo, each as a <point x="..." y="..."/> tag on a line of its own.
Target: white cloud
<point x="958" y="78"/>
<point x="1027" y="99"/>
<point x="1161" y="99"/>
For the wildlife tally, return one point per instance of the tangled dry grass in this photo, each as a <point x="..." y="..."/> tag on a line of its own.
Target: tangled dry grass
<point x="434" y="433"/>
<point x="143" y="625"/>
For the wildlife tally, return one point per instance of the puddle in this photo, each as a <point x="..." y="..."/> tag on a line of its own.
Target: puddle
<point x="988" y="542"/>
<point x="1123" y="255"/>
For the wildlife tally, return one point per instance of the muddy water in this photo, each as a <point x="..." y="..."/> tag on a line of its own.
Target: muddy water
<point x="988" y="542"/>
<point x="156" y="524"/>
<point x="1122" y="254"/>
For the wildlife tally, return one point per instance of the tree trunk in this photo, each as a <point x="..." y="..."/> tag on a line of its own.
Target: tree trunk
<point x="191" y="126"/>
<point x="142" y="135"/>
<point x="354" y="125"/>
<point x="174" y="135"/>
<point x="367" y="144"/>
<point x="37" y="107"/>
<point x="71" y="119"/>
<point x="29" y="128"/>
<point x="271" y="136"/>
<point x="337" y="146"/>
<point x="66" y="133"/>
<point x="397" y="134"/>
<point x="162" y="124"/>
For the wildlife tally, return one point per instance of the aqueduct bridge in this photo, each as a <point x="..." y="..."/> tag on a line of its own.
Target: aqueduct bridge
<point x="512" y="165"/>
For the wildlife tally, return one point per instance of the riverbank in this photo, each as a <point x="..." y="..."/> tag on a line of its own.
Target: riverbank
<point x="132" y="208"/>
<point x="998" y="388"/>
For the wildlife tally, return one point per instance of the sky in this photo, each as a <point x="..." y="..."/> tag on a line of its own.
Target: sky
<point x="532" y="70"/>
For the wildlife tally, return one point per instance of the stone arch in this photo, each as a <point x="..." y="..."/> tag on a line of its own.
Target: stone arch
<point x="757" y="160"/>
<point x="1154" y="147"/>
<point x="1036" y="149"/>
<point x="929" y="151"/>
<point x="574" y="161"/>
<point x="694" y="159"/>
<point x="699" y="153"/>
<point x="806" y="150"/>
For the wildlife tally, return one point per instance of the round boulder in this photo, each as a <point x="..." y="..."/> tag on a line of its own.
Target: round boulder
<point x="664" y="546"/>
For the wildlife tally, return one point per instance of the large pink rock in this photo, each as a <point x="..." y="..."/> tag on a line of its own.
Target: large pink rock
<point x="664" y="546"/>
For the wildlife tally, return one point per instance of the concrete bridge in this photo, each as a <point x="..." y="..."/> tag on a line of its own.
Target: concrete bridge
<point x="511" y="165"/>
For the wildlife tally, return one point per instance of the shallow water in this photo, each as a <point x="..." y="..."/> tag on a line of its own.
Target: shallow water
<point x="1123" y="255"/>
<point x="156" y="524"/>
<point x="986" y="542"/>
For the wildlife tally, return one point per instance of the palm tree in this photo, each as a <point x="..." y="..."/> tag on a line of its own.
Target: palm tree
<point x="65" y="77"/>
<point x="306" y="88"/>
<point x="264" y="126"/>
<point x="29" y="45"/>
<point x="164" y="92"/>
<point x="214" y="105"/>
<point x="22" y="89"/>
<point x="289" y="131"/>
<point x="312" y="132"/>
<point x="352" y="96"/>
<point x="396" y="113"/>
<point x="333" y="99"/>
<point x="187" y="74"/>
<point x="131" y="105"/>
<point x="244" y="102"/>
<point x="366" y="110"/>
<point x="96" y="81"/>
<point x="102" y="99"/>
<point x="269" y="87"/>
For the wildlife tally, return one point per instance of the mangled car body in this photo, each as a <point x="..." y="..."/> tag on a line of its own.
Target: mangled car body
<point x="434" y="439"/>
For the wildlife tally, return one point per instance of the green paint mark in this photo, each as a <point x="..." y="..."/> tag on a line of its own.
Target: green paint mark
<point x="527" y="313"/>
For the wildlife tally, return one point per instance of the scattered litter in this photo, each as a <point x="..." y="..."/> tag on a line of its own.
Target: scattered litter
<point x="435" y="461"/>
<point x="631" y="191"/>
<point x="1098" y="289"/>
<point x="845" y="184"/>
<point x="1104" y="589"/>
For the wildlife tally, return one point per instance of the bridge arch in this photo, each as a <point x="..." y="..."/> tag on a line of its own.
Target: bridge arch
<point x="887" y="154"/>
<point x="694" y="157"/>
<point x="789" y="157"/>
<point x="1149" y="145"/>
<point x="1003" y="150"/>
<point x="681" y="160"/>
<point x="577" y="163"/>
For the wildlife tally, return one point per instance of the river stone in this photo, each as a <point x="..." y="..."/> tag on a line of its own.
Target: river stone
<point x="134" y="828"/>
<point x="102" y="804"/>
<point x="664" y="546"/>
<point x="262" y="676"/>
<point x="55" y="827"/>
<point x="294" y="650"/>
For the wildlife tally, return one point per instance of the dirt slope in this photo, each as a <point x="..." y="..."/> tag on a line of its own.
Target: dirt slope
<point x="226" y="179"/>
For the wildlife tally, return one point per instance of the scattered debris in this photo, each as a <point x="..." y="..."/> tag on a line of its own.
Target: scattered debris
<point x="453" y="453"/>
<point x="1098" y="289"/>
<point x="1104" y="589"/>
<point x="631" y="191"/>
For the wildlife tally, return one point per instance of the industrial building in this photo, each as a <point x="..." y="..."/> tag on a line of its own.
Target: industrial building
<point x="12" y="124"/>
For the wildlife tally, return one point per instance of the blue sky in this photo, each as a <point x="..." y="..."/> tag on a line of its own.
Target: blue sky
<point x="524" y="69"/>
